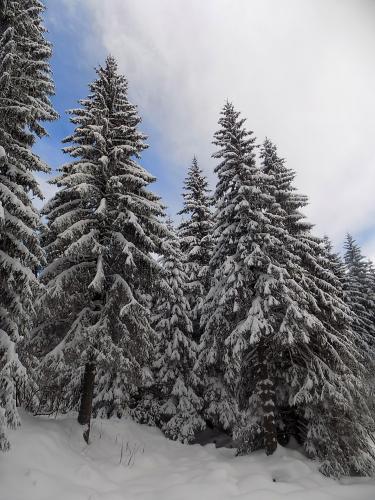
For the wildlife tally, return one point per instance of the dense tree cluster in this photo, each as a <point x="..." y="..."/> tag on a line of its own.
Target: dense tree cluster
<point x="241" y="319"/>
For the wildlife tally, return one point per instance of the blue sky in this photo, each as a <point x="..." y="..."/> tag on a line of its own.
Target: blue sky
<point x="301" y="71"/>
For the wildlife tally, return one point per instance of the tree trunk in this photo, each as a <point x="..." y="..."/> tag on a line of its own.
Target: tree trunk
<point x="87" y="393"/>
<point x="267" y="397"/>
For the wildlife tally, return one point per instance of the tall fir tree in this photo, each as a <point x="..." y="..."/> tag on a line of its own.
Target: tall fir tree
<point x="286" y="196"/>
<point x="277" y="334"/>
<point x="179" y="405"/>
<point x="337" y="266"/>
<point x="196" y="240"/>
<point x="230" y="300"/>
<point x="253" y="302"/>
<point x="103" y="228"/>
<point x="360" y="294"/>
<point x="25" y="90"/>
<point x="329" y="362"/>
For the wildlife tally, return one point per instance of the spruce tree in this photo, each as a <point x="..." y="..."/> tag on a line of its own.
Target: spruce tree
<point x="327" y="367"/>
<point x="370" y="282"/>
<point x="337" y="266"/>
<point x="196" y="240"/>
<point x="177" y="383"/>
<point x="252" y="312"/>
<point x="277" y="337"/>
<point x="234" y="313"/>
<point x="360" y="297"/>
<point x="360" y="292"/>
<point x="25" y="90"/>
<point x="104" y="227"/>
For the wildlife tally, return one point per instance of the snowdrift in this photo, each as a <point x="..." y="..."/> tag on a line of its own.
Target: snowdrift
<point x="126" y="461"/>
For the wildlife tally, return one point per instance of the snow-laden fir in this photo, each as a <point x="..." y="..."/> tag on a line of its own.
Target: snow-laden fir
<point x="25" y="90"/>
<point x="279" y="355"/>
<point x="195" y="232"/>
<point x="360" y="291"/>
<point x="176" y="402"/>
<point x="103" y="227"/>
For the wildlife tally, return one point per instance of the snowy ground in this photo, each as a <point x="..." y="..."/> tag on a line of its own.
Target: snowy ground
<point x="50" y="461"/>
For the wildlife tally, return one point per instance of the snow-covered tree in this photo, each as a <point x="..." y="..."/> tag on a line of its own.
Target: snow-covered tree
<point x="277" y="337"/>
<point x="232" y="298"/>
<point x="360" y="291"/>
<point x="337" y="266"/>
<point x="25" y="90"/>
<point x="324" y="367"/>
<point x="252" y="312"/>
<point x="359" y="287"/>
<point x="103" y="228"/>
<point x="177" y="383"/>
<point x="196" y="240"/>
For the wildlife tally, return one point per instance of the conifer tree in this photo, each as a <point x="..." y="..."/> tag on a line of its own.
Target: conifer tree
<point x="179" y="404"/>
<point x="253" y="303"/>
<point x="25" y="90"/>
<point x="196" y="240"/>
<point x="234" y="314"/>
<point x="329" y="362"/>
<point x="104" y="225"/>
<point x="337" y="266"/>
<point x="289" y="200"/>
<point x="277" y="333"/>
<point x="360" y="295"/>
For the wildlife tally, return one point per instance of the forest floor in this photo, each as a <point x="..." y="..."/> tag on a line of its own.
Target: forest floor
<point x="125" y="461"/>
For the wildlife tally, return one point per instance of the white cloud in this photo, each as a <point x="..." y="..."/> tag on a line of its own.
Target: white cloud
<point x="369" y="249"/>
<point x="301" y="71"/>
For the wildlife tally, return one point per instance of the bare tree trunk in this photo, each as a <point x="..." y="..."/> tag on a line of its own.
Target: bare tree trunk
<point x="267" y="397"/>
<point x="87" y="393"/>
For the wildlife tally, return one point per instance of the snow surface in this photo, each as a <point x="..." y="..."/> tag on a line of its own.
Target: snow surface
<point x="50" y="461"/>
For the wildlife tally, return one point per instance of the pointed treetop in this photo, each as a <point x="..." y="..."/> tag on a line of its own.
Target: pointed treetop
<point x="270" y="157"/>
<point x="353" y="256"/>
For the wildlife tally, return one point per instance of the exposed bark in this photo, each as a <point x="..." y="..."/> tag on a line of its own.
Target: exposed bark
<point x="87" y="393"/>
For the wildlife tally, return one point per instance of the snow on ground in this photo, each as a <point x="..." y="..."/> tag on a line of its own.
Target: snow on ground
<point x="50" y="461"/>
